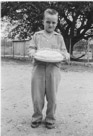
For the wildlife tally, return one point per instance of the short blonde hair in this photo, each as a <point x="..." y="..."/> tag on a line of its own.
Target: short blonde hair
<point x="51" y="11"/>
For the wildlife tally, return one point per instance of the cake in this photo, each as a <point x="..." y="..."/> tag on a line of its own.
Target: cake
<point x="49" y="56"/>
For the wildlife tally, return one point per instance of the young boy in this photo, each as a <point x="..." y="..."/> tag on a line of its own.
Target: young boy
<point x="46" y="76"/>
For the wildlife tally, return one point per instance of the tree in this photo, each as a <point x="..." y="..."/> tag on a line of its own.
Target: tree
<point x="29" y="15"/>
<point x="75" y="19"/>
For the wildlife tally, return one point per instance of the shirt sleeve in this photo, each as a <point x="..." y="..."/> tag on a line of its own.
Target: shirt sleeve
<point x="63" y="48"/>
<point x="62" y="45"/>
<point x="32" y="43"/>
<point x="32" y="47"/>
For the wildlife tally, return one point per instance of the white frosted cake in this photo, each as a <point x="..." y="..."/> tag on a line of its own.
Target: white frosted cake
<point x="48" y="56"/>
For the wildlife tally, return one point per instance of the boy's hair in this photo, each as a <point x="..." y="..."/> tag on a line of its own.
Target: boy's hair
<point x="50" y="11"/>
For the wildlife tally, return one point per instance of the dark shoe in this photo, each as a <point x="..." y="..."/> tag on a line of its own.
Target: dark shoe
<point x="35" y="124"/>
<point x="50" y="125"/>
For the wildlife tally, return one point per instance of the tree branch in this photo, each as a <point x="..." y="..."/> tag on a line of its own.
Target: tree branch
<point x="67" y="20"/>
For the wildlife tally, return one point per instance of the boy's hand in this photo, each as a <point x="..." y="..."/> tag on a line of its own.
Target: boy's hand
<point x="31" y="53"/>
<point x="66" y="57"/>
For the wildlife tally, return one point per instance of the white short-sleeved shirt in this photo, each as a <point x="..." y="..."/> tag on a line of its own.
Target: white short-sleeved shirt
<point x="41" y="40"/>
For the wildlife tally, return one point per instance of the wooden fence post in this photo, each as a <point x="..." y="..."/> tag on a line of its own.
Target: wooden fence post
<point x="4" y="46"/>
<point x="24" y="49"/>
<point x="13" y="48"/>
<point x="70" y="48"/>
<point x="92" y="53"/>
<point x="88" y="52"/>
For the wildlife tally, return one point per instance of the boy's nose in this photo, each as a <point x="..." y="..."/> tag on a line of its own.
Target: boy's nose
<point x="50" y="24"/>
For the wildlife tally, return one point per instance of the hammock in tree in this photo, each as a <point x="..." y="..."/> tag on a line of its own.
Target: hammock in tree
<point x="77" y="58"/>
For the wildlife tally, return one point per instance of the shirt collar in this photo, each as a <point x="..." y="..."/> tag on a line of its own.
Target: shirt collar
<point x="46" y="35"/>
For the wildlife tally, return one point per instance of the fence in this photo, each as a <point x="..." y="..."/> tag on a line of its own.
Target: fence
<point x="19" y="49"/>
<point x="14" y="48"/>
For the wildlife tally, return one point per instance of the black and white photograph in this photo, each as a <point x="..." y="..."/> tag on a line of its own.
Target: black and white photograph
<point x="46" y="68"/>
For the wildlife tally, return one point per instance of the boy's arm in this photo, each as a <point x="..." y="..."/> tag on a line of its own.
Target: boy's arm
<point x="63" y="49"/>
<point x="32" y="46"/>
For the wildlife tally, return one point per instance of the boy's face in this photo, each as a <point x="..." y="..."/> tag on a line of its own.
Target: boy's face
<point x="50" y="22"/>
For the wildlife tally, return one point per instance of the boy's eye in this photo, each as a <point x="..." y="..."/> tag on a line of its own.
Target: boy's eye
<point x="48" y="22"/>
<point x="53" y="23"/>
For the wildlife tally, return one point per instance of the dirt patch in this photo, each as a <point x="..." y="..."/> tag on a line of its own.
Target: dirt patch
<point x="74" y="115"/>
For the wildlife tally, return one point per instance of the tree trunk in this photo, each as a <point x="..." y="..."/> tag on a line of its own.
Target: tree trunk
<point x="69" y="45"/>
<point x="67" y="42"/>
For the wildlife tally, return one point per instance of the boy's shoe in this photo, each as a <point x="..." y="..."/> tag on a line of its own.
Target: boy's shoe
<point x="35" y="124"/>
<point x="50" y="125"/>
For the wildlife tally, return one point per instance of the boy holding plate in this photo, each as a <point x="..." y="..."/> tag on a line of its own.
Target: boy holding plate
<point x="46" y="75"/>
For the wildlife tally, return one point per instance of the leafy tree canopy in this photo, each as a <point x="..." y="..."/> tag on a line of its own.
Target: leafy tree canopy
<point x="75" y="19"/>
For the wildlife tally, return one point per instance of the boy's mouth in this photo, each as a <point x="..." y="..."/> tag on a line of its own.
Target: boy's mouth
<point x="50" y="27"/>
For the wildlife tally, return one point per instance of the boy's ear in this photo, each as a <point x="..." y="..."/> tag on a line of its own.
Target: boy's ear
<point x="57" y="23"/>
